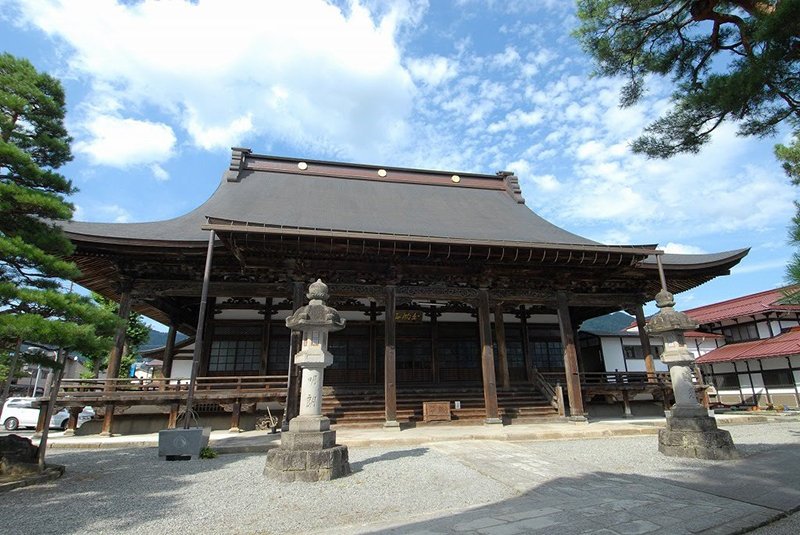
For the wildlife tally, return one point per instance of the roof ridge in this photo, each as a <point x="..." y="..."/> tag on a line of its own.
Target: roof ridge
<point x="740" y="298"/>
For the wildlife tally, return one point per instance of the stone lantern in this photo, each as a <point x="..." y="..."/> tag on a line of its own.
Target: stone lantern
<point x="308" y="450"/>
<point x="690" y="431"/>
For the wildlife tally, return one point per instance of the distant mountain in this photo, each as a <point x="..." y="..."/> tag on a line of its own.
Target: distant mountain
<point x="159" y="339"/>
<point x="609" y="324"/>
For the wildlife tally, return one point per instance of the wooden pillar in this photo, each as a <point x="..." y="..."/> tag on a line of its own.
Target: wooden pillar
<point x="570" y="361"/>
<point x="169" y="351"/>
<point x="389" y="364"/>
<point x="487" y="359"/>
<point x="172" y="422"/>
<point x="199" y="344"/>
<point x="266" y="333"/>
<point x="435" y="345"/>
<point x="236" y="414"/>
<point x="526" y="344"/>
<point x="500" y="336"/>
<point x="373" y="343"/>
<point x="208" y="337"/>
<point x="72" y="424"/>
<point x="644" y="339"/>
<point x="626" y="403"/>
<point x="293" y="379"/>
<point x="115" y="357"/>
<point x="108" y="420"/>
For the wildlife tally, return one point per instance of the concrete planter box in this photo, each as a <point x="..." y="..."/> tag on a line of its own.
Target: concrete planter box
<point x="182" y="443"/>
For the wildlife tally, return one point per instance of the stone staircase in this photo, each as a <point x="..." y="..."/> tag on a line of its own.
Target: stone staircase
<point x="354" y="406"/>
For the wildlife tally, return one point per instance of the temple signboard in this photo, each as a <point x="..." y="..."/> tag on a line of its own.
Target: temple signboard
<point x="408" y="316"/>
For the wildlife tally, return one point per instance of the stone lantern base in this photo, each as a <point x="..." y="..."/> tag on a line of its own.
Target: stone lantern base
<point x="308" y="452"/>
<point x="695" y="436"/>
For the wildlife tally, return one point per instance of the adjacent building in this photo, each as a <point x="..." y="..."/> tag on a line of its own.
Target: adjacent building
<point x="758" y="358"/>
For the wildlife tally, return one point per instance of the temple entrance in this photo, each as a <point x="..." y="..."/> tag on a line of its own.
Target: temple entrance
<point x="352" y="355"/>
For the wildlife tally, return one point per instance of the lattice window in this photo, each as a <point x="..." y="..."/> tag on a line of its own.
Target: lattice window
<point x="234" y="356"/>
<point x="547" y="354"/>
<point x="278" y="355"/>
<point x="778" y="378"/>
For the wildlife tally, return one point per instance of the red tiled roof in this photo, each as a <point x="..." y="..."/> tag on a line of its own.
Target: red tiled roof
<point x="747" y="305"/>
<point x="782" y="345"/>
<point x="700" y="334"/>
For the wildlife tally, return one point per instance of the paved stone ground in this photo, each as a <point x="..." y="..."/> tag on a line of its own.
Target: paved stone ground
<point x="606" y="486"/>
<point x="621" y="487"/>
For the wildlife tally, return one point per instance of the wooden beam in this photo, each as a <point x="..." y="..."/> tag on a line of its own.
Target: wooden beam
<point x="500" y="336"/>
<point x="649" y="364"/>
<point x="172" y="421"/>
<point x="201" y="326"/>
<point x="108" y="420"/>
<point x="266" y="334"/>
<point x="526" y="353"/>
<point x="293" y="378"/>
<point x="169" y="350"/>
<point x="487" y="359"/>
<point x="570" y="360"/>
<point x="236" y="414"/>
<point x="373" y="343"/>
<point x="434" y="346"/>
<point x="115" y="357"/>
<point x="72" y="424"/>
<point x="389" y="371"/>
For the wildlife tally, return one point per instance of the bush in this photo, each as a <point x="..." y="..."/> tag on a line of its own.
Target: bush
<point x="208" y="453"/>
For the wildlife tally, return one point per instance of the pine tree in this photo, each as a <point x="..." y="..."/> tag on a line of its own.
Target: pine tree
<point x="729" y="60"/>
<point x="33" y="144"/>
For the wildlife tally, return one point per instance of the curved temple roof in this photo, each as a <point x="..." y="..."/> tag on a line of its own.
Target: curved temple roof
<point x="340" y="197"/>
<point x="289" y="194"/>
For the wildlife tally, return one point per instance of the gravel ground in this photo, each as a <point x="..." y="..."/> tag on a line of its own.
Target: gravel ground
<point x="786" y="526"/>
<point x="131" y="491"/>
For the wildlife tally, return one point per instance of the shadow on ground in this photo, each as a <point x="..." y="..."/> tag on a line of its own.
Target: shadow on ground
<point x="716" y="497"/>
<point x="389" y="456"/>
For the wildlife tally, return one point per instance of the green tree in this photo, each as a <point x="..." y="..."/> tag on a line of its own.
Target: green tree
<point x="729" y="60"/>
<point x="33" y="144"/>
<point x="136" y="334"/>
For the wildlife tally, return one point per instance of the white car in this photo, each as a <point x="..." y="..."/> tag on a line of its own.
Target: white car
<point x="19" y="412"/>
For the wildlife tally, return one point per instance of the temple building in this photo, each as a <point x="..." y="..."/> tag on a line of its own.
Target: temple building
<point x="453" y="289"/>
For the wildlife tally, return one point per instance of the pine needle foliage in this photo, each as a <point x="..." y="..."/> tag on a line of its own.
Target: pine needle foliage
<point x="33" y="144"/>
<point x="729" y="61"/>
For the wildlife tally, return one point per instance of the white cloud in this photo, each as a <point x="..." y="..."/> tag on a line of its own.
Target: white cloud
<point x="506" y="58"/>
<point x="124" y="142"/>
<point x="159" y="172"/>
<point x="517" y="119"/>
<point x="522" y="169"/>
<point x="433" y="70"/>
<point x="211" y="136"/>
<point x="745" y="267"/>
<point x="212" y="66"/>
<point x="680" y="248"/>
<point x="112" y="212"/>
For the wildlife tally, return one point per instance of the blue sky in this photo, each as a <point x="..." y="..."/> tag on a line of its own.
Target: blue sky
<point x="158" y="92"/>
